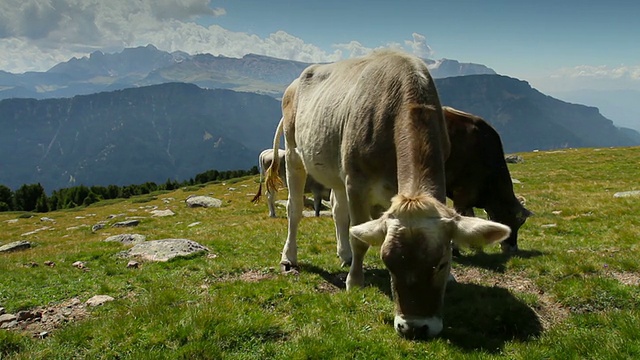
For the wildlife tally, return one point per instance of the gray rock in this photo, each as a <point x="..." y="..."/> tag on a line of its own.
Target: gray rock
<point x="194" y="224"/>
<point x="162" y="213"/>
<point x="513" y="159"/>
<point x="7" y="318"/>
<point x="627" y="194"/>
<point x="44" y="218"/>
<point x="79" y="265"/>
<point x="15" y="246"/>
<point x="164" y="250"/>
<point x="133" y="264"/>
<point x="127" y="223"/>
<point x="2" y="311"/>
<point x="112" y="216"/>
<point x="126" y="238"/>
<point x="203" y="201"/>
<point x="99" y="300"/>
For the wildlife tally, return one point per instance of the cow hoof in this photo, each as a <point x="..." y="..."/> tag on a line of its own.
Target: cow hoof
<point x="508" y="249"/>
<point x="346" y="263"/>
<point x="286" y="267"/>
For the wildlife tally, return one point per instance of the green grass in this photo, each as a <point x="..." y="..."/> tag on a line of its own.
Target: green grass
<point x="571" y="293"/>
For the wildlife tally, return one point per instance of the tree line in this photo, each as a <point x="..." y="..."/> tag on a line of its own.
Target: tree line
<point x="33" y="197"/>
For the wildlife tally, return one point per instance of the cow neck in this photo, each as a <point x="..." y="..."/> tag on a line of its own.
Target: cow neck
<point x="420" y="161"/>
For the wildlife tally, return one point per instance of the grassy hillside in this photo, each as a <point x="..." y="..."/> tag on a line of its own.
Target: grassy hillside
<point x="571" y="293"/>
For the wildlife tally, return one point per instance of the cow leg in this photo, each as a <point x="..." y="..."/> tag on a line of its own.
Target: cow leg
<point x="340" y="211"/>
<point x="359" y="212"/>
<point x="296" y="177"/>
<point x="317" y="201"/>
<point x="271" y="201"/>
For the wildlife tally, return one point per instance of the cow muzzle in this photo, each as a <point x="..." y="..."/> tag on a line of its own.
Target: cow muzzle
<point x="417" y="328"/>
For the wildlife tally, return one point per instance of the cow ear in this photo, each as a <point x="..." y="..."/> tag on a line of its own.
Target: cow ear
<point x="372" y="232"/>
<point x="476" y="232"/>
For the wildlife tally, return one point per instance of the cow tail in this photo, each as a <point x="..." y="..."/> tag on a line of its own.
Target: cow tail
<point x="273" y="180"/>
<point x="256" y="197"/>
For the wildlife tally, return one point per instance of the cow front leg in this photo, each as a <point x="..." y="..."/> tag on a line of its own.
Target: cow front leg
<point x="359" y="212"/>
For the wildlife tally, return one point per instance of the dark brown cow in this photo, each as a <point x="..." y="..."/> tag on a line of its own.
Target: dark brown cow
<point x="372" y="130"/>
<point x="477" y="174"/>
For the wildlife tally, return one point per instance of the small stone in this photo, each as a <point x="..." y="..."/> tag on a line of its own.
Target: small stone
<point x="8" y="325"/>
<point x="79" y="265"/>
<point x="44" y="218"/>
<point x="28" y="315"/>
<point x="546" y="226"/>
<point x="50" y="263"/>
<point x="42" y="335"/>
<point x="97" y="227"/>
<point x="99" y="300"/>
<point x="557" y="212"/>
<point x="514" y="159"/>
<point x="133" y="264"/>
<point x="128" y="223"/>
<point x="2" y="311"/>
<point x="194" y="224"/>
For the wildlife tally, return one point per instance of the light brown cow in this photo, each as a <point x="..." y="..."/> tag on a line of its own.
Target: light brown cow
<point x="311" y="186"/>
<point x="372" y="130"/>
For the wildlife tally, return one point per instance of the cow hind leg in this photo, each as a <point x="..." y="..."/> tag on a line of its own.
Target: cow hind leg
<point x="296" y="177"/>
<point x="271" y="202"/>
<point x="317" y="202"/>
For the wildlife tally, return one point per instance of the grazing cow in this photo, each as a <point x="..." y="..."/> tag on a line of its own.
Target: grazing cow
<point x="311" y="186"/>
<point x="372" y="130"/>
<point x="477" y="174"/>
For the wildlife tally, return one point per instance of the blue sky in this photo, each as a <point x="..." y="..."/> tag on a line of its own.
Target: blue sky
<point x="519" y="38"/>
<point x="561" y="45"/>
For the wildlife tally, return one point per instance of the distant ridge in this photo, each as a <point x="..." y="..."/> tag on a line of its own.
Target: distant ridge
<point x="177" y="130"/>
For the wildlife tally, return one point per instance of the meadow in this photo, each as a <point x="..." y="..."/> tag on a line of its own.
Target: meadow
<point x="570" y="293"/>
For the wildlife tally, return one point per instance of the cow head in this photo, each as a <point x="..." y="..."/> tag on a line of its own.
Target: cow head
<point x="514" y="217"/>
<point x="415" y="236"/>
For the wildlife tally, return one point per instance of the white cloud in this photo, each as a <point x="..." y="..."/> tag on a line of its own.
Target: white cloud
<point x="37" y="34"/>
<point x="419" y="46"/>
<point x="599" y="72"/>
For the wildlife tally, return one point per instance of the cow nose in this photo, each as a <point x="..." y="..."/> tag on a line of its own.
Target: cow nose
<point x="421" y="328"/>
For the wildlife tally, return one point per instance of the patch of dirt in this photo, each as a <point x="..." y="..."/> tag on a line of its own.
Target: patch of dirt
<point x="327" y="287"/>
<point x="43" y="320"/>
<point x="247" y="276"/>
<point x="626" y="278"/>
<point x="548" y="310"/>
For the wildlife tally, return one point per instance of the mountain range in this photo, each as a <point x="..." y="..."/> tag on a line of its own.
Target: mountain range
<point x="147" y="115"/>
<point x="143" y="66"/>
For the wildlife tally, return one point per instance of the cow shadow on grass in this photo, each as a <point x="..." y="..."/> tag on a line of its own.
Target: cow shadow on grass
<point x="495" y="261"/>
<point x="476" y="317"/>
